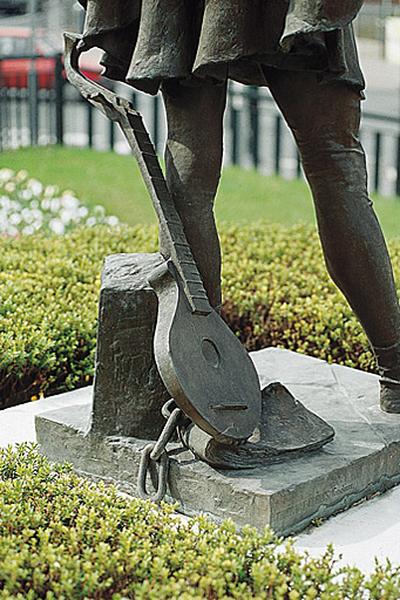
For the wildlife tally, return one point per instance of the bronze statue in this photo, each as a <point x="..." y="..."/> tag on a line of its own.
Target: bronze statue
<point x="304" y="50"/>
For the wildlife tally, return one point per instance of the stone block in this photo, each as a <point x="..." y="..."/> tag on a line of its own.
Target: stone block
<point x="128" y="391"/>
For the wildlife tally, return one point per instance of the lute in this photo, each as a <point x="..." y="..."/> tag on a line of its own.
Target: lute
<point x="202" y="363"/>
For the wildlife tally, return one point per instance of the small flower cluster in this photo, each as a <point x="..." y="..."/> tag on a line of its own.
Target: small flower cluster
<point x="26" y="207"/>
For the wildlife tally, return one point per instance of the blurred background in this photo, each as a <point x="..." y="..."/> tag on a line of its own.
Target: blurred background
<point x="38" y="106"/>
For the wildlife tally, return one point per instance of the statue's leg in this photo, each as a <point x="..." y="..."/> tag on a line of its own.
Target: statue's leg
<point x="324" y="118"/>
<point x="193" y="161"/>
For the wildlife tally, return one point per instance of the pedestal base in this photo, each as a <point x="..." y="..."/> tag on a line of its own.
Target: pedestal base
<point x="363" y="458"/>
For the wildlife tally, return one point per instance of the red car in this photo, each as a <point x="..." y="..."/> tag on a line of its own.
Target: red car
<point x="15" y="47"/>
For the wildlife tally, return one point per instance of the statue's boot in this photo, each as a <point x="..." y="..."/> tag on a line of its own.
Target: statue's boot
<point x="388" y="360"/>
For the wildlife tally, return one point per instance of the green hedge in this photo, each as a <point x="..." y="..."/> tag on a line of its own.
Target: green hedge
<point x="276" y="291"/>
<point x="62" y="537"/>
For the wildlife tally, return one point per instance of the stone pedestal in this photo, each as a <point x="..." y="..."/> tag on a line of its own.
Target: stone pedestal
<point x="363" y="458"/>
<point x="128" y="391"/>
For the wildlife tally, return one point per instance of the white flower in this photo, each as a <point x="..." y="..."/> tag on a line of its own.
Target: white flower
<point x="55" y="204"/>
<point x="57" y="226"/>
<point x="66" y="216"/>
<point x="26" y="206"/>
<point x="50" y="190"/>
<point x="36" y="214"/>
<point x="3" y="221"/>
<point x="112" y="220"/>
<point x="35" y="186"/>
<point x="91" y="221"/>
<point x="26" y="214"/>
<point x="15" y="219"/>
<point x="25" y="194"/>
<point x="6" y="174"/>
<point x="45" y="204"/>
<point x="10" y="186"/>
<point x="21" y="175"/>
<point x="37" y="225"/>
<point x="5" y="202"/>
<point x="69" y="201"/>
<point x="82" y="212"/>
<point x="14" y="205"/>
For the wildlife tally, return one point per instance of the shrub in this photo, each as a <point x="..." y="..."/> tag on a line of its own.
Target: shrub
<point x="275" y="285"/>
<point x="65" y="537"/>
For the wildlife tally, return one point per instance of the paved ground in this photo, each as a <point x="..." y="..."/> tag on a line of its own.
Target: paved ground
<point x="366" y="531"/>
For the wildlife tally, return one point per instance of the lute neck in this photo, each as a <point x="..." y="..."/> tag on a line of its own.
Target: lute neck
<point x="177" y="245"/>
<point x="121" y="111"/>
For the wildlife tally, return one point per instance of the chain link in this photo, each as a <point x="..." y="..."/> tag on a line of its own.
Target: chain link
<point x="156" y="453"/>
<point x="162" y="475"/>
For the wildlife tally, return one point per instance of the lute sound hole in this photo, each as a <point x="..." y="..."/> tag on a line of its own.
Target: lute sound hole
<point x="210" y="353"/>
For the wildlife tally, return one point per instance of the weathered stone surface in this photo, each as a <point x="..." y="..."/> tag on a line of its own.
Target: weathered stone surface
<point x="363" y="458"/>
<point x="127" y="385"/>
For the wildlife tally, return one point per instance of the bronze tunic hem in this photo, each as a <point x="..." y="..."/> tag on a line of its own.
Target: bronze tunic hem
<point x="151" y="41"/>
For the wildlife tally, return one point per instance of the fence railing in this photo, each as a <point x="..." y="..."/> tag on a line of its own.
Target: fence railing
<point x="256" y="135"/>
<point x="271" y="148"/>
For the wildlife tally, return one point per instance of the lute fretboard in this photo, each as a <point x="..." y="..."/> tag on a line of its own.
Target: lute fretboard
<point x="121" y="111"/>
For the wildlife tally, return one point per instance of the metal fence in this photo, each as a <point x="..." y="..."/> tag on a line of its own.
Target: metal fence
<point x="256" y="135"/>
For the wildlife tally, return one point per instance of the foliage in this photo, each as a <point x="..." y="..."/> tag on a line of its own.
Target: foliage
<point x="26" y="207"/>
<point x="65" y="537"/>
<point x="275" y="285"/>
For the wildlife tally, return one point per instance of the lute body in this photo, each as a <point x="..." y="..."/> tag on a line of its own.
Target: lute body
<point x="202" y="363"/>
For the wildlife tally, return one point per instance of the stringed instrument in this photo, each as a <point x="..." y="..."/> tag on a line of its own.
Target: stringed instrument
<point x="202" y="363"/>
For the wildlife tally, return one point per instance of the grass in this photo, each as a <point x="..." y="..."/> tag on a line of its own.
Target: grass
<point x="114" y="181"/>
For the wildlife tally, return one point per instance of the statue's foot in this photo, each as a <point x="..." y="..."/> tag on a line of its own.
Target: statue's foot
<point x="390" y="395"/>
<point x="389" y="369"/>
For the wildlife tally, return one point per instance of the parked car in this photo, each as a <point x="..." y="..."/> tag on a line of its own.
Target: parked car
<point x="15" y="64"/>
